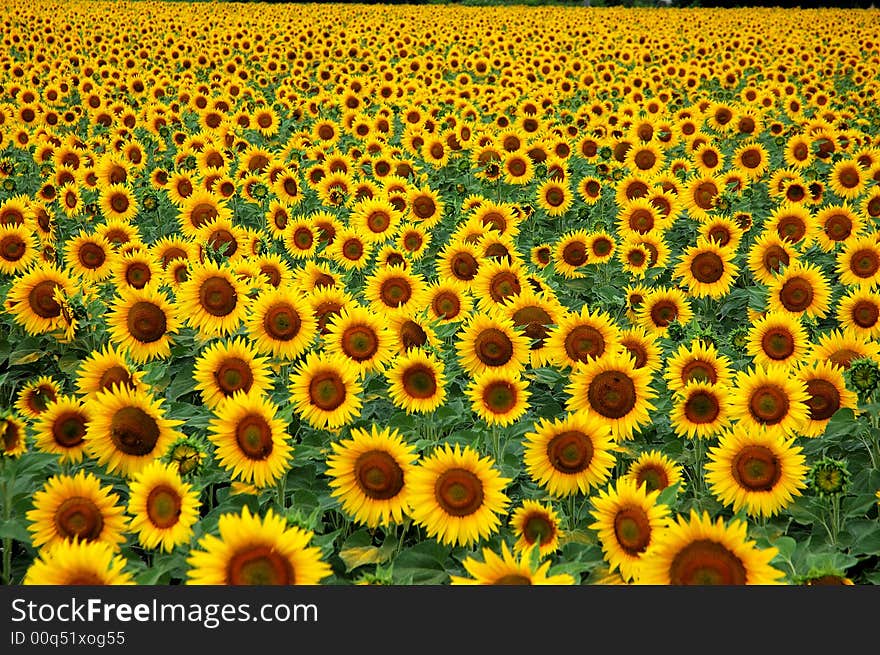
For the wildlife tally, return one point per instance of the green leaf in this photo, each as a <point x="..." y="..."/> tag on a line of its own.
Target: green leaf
<point x="14" y="529"/>
<point x="424" y="563"/>
<point x="785" y="546"/>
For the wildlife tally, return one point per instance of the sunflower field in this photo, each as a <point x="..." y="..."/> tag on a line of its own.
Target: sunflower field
<point x="364" y="294"/>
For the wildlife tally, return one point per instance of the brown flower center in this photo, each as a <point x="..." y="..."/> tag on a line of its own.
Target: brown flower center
<point x="632" y="529"/>
<point x="459" y="492"/>
<point x="146" y="322"/>
<point x="164" y="506"/>
<point x="217" y="296"/>
<point x="260" y="565"/>
<point x="254" y="436"/>
<point x="824" y="399"/>
<point x="378" y="475"/>
<point x="706" y="562"/>
<point x="79" y="518"/>
<point x="570" y="452"/>
<point x="768" y="404"/>
<point x="133" y="431"/>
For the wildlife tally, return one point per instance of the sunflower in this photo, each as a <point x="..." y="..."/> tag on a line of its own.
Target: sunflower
<point x="199" y="209"/>
<point x="369" y="474"/>
<point x="413" y="331"/>
<point x="554" y="197"/>
<point x="425" y="207"/>
<point x="456" y="495"/>
<point x="71" y="563"/>
<point x="253" y="550"/>
<point x="498" y="398"/>
<point x="35" y="396"/>
<point x="325" y="391"/>
<point x="213" y="300"/>
<point x="798" y="290"/>
<point x="13" y="436"/>
<point x="448" y="301"/>
<point x="136" y="270"/>
<point x="645" y="159"/>
<point x="250" y="439"/>
<point x="350" y="249"/>
<point x="836" y="224"/>
<point x="416" y="381"/>
<point x="655" y="471"/>
<point x="769" y="255"/>
<point x="394" y="290"/>
<point x="778" y="338"/>
<point x="758" y="471"/>
<point x="580" y="337"/>
<point x="847" y="178"/>
<point x="699" y="410"/>
<point x="724" y="232"/>
<point x="571" y="253"/>
<point x="117" y="201"/>
<point x="707" y="269"/>
<point x="128" y="429"/>
<point x="32" y="298"/>
<point x="660" y="307"/>
<point x="375" y="218"/>
<point x="90" y="256"/>
<point x="18" y="249"/>
<point x="281" y="323"/>
<point x="359" y="337"/>
<point x="843" y="347"/>
<point x="698" y="361"/>
<point x="229" y="366"/>
<point x="639" y="217"/>
<point x="859" y="312"/>
<point x="492" y="342"/>
<point x="535" y="525"/>
<point x="61" y="429"/>
<point x="459" y="260"/>
<point x="569" y="455"/>
<point x="507" y="569"/>
<point x="163" y="508"/>
<point x="752" y="159"/>
<point x="769" y="397"/>
<point x="413" y="239"/>
<point x="827" y="391"/>
<point x="628" y="520"/>
<point x="141" y="322"/>
<point x="701" y="194"/>
<point x="642" y="347"/>
<point x="76" y="507"/>
<point x="858" y="264"/>
<point x="534" y="314"/>
<point x="698" y="551"/>
<point x="793" y="223"/>
<point x="601" y="247"/>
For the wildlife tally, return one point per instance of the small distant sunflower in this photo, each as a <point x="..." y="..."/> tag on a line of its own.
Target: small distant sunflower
<point x="417" y="381"/>
<point x="35" y="396"/>
<point x="325" y="391"/>
<point x="281" y="324"/>
<point x="213" y="300"/>
<point x="142" y="323"/>
<point x="507" y="569"/>
<point x="76" y="507"/>
<point x="163" y="508"/>
<point x="554" y="197"/>
<point x="250" y="439"/>
<point x="847" y="178"/>
<point x="698" y="551"/>
<point x="13" y="435"/>
<point x="837" y="224"/>
<point x="61" y="429"/>
<point x="253" y="550"/>
<point x="229" y="366"/>
<point x="128" y="429"/>
<point x="769" y="255"/>
<point x="425" y="207"/>
<point x="660" y="307"/>
<point x="90" y="563"/>
<point x="759" y="471"/>
<point x="570" y="455"/>
<point x="199" y="209"/>
<point x="628" y="520"/>
<point x="769" y="398"/>
<point x="369" y="474"/>
<point x="375" y="218"/>
<point x="457" y="495"/>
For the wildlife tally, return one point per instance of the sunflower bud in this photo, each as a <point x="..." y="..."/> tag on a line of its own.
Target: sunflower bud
<point x="829" y="477"/>
<point x="863" y="376"/>
<point x="187" y="456"/>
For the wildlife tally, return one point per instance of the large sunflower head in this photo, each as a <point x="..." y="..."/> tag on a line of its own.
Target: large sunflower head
<point x="71" y="563"/>
<point x="769" y="398"/>
<point x="700" y="551"/>
<point x="628" y="519"/>
<point x="457" y="495"/>
<point x="580" y="337"/>
<point x="226" y="367"/>
<point x="213" y="300"/>
<point x="250" y="439"/>
<point x="800" y="289"/>
<point x="395" y="290"/>
<point x="859" y="312"/>
<point x="281" y="323"/>
<point x="508" y="569"/>
<point x="569" y="455"/>
<point x="369" y="474"/>
<point x="76" y="507"/>
<point x="141" y="322"/>
<point x="760" y="471"/>
<point x="612" y="388"/>
<point x="699" y="410"/>
<point x="858" y="263"/>
<point x="498" y="398"/>
<point x="778" y="338"/>
<point x="662" y="306"/>
<point x="707" y="269"/>
<point x="128" y="429"/>
<point x="163" y="508"/>
<point x="359" y="337"/>
<point x="492" y="343"/>
<point x="416" y="381"/>
<point x="325" y="391"/>
<point x="256" y="550"/>
<point x="32" y="298"/>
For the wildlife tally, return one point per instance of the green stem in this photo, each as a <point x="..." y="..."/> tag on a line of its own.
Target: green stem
<point x="496" y="444"/>
<point x="698" y="470"/>
<point x="835" y="518"/>
<point x="282" y="492"/>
